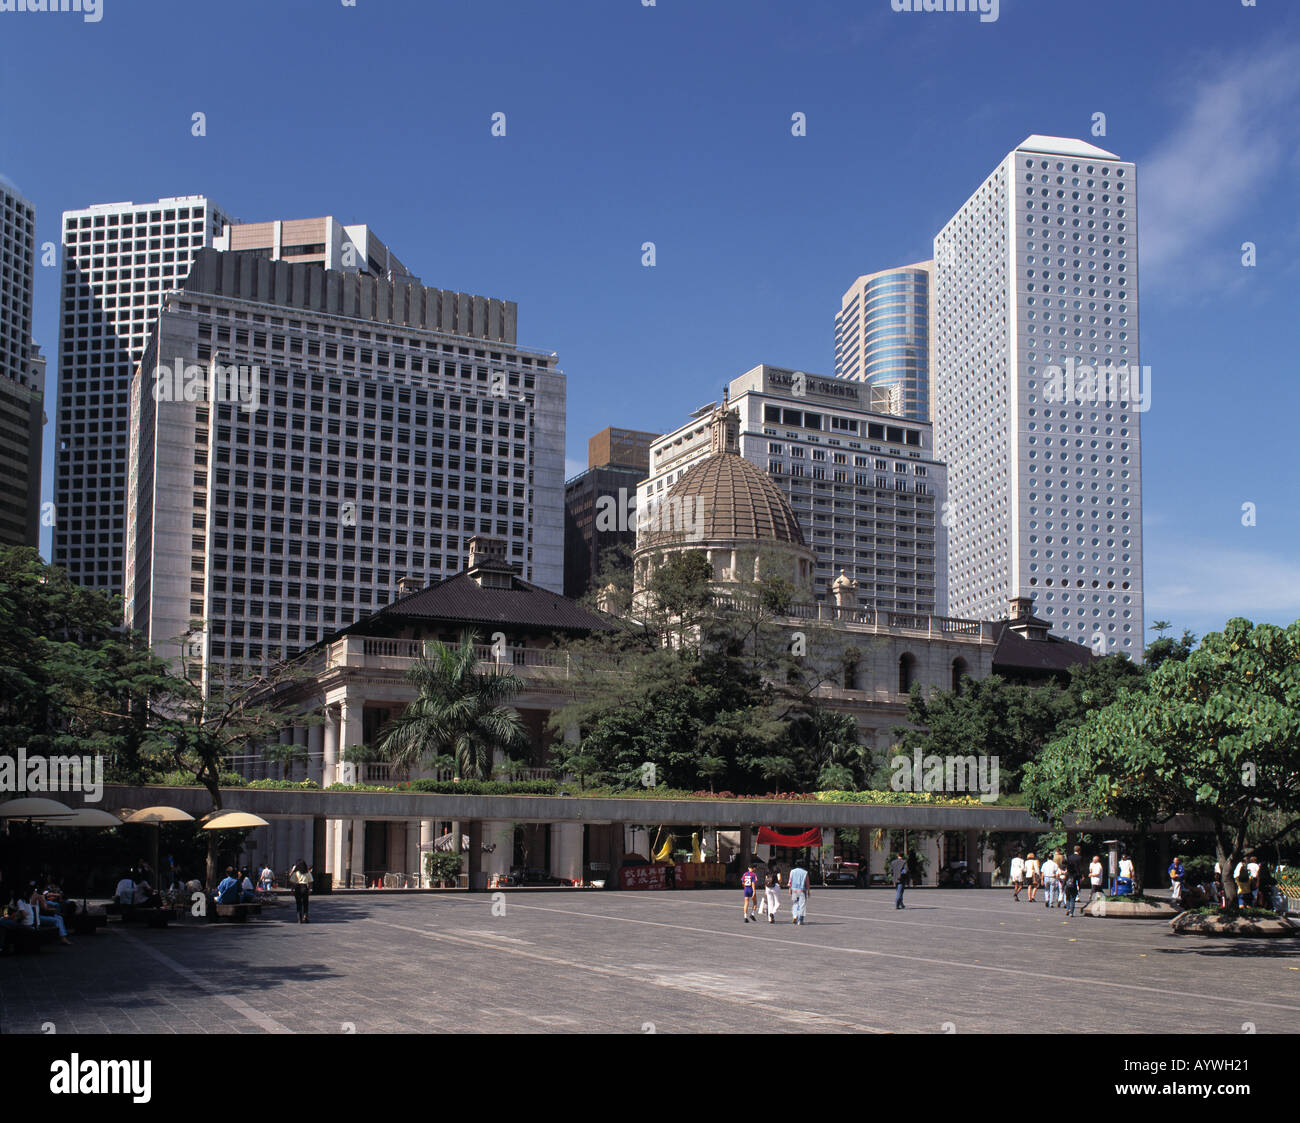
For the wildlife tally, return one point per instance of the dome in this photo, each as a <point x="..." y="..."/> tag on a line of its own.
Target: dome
<point x="722" y="499"/>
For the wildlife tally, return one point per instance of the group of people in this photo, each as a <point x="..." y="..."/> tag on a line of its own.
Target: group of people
<point x="1061" y="878"/>
<point x="1250" y="884"/>
<point x="769" y="901"/>
<point x="42" y="906"/>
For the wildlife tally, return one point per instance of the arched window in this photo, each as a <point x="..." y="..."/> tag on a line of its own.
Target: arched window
<point x="906" y="673"/>
<point x="959" y="672"/>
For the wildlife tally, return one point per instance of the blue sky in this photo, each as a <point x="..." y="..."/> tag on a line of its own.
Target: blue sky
<point x="671" y="123"/>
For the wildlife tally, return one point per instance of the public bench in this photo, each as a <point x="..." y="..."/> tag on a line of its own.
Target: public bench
<point x="237" y="914"/>
<point x="153" y="917"/>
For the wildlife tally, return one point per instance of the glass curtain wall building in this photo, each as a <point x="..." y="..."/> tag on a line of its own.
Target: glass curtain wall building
<point x="882" y="338"/>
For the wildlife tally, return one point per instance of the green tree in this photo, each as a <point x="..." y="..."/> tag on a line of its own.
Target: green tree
<point x="1216" y="735"/>
<point x="459" y="710"/>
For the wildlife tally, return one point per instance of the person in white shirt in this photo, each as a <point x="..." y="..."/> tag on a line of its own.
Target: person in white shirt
<point x="266" y="878"/>
<point x="1017" y="876"/>
<point x="1094" y="878"/>
<point x="1126" y="871"/>
<point x="124" y="894"/>
<point x="1033" y="876"/>
<point x="1050" y="884"/>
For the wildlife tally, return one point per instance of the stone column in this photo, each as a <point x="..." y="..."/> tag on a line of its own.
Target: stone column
<point x="287" y="737"/>
<point x="412" y="851"/>
<point x="351" y="733"/>
<point x="474" y="856"/>
<point x="358" y="847"/>
<point x="746" y="847"/>
<point x="315" y="750"/>
<point x="974" y="859"/>
<point x="501" y="834"/>
<point x="428" y="836"/>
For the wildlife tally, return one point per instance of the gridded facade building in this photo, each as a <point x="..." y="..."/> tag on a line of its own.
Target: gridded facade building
<point x="865" y="487"/>
<point x="599" y="504"/>
<point x="22" y="374"/>
<point x="119" y="259"/>
<point x="392" y="423"/>
<point x="882" y="338"/>
<point x="1045" y="497"/>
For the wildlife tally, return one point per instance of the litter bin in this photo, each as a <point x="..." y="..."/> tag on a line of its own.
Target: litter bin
<point x="1123" y="886"/>
<point x="322" y="883"/>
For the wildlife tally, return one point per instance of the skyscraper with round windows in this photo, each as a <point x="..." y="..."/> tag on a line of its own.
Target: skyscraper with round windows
<point x="1037" y="274"/>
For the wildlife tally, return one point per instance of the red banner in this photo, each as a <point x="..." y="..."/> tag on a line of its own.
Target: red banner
<point x="807" y="836"/>
<point x="643" y="877"/>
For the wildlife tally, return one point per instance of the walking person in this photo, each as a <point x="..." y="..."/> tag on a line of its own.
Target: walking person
<point x="1176" y="881"/>
<point x="1033" y="876"/>
<point x="772" y="893"/>
<point x="1050" y="883"/>
<point x="300" y="879"/>
<point x="1071" y="888"/>
<point x="898" y="871"/>
<point x="798" y="883"/>
<point x="1094" y="877"/>
<point x="1017" y="876"/>
<point x="749" y="884"/>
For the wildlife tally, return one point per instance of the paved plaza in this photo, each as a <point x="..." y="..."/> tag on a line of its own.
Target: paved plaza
<point x="957" y="961"/>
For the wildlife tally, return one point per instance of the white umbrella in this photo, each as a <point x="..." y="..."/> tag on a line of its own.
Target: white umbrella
<point x="34" y="808"/>
<point x="90" y="818"/>
<point x="154" y="817"/>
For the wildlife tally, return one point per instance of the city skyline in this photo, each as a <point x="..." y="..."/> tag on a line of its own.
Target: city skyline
<point x="1220" y="535"/>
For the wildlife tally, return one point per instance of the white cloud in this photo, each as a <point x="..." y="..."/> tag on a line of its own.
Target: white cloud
<point x="1240" y="126"/>
<point x="1200" y="585"/>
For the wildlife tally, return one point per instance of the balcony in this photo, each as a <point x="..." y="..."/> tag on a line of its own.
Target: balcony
<point x="379" y="654"/>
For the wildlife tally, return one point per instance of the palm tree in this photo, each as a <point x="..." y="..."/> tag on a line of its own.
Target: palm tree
<point x="460" y="711"/>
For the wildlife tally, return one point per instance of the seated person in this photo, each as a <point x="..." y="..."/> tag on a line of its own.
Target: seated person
<point x="246" y="892"/>
<point x="45" y="918"/>
<point x="193" y="886"/>
<point x="228" y="889"/>
<point x="15" y="931"/>
<point x="145" y="897"/>
<point x="124" y="894"/>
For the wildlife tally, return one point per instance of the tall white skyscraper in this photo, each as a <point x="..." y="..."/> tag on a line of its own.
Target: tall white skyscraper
<point x="118" y="261"/>
<point x="1036" y="277"/>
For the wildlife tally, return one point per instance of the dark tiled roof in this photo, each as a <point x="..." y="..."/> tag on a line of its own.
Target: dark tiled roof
<point x="461" y="600"/>
<point x="1052" y="655"/>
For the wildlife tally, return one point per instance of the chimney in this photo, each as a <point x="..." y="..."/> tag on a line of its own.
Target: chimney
<point x="408" y="585"/>
<point x="486" y="551"/>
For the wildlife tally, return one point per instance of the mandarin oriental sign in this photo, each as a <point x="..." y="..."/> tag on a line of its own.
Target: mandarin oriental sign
<point x="824" y="387"/>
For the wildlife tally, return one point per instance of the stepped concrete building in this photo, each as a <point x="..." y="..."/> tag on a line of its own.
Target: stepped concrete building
<point x="304" y="439"/>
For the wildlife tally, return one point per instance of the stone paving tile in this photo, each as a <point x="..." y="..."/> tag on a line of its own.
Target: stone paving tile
<point x="969" y="961"/>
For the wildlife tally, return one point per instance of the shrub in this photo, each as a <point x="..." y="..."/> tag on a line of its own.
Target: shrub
<point x="1198" y="869"/>
<point x="284" y="785"/>
<point x="441" y="865"/>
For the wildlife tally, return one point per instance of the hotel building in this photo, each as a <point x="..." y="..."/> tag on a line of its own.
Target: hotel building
<point x="866" y="487"/>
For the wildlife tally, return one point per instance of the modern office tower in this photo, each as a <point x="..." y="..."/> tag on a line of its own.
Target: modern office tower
<point x="314" y="241"/>
<point x="22" y="373"/>
<point x="118" y="261"/>
<point x="882" y="338"/>
<point x="600" y="503"/>
<point x="307" y="444"/>
<point x="866" y="487"/>
<point x="1034" y="276"/>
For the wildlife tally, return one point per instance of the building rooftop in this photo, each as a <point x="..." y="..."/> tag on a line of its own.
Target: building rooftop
<point x="1063" y="146"/>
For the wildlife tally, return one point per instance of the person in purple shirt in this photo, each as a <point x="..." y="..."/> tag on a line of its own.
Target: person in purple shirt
<point x="749" y="883"/>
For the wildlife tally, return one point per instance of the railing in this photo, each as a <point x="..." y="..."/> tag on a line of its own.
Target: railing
<point x="901" y="623"/>
<point x="397" y="654"/>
